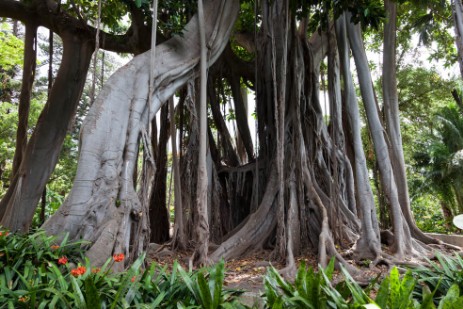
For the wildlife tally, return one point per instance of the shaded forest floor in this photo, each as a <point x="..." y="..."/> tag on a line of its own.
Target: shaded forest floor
<point x="248" y="273"/>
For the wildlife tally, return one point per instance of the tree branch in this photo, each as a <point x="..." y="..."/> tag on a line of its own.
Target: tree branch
<point x="59" y="22"/>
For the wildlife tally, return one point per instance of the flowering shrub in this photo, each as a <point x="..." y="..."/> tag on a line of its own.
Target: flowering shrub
<point x="96" y="270"/>
<point x="63" y="260"/>
<point x="36" y="272"/>
<point x="118" y="257"/>
<point x="78" y="271"/>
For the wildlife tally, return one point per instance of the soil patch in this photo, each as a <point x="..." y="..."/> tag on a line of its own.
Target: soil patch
<point x="248" y="273"/>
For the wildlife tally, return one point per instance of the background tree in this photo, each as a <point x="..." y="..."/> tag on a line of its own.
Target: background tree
<point x="440" y="160"/>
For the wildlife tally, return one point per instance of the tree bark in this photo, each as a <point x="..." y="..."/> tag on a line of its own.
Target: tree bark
<point x="279" y="14"/>
<point x="103" y="207"/>
<point x="159" y="214"/>
<point x="178" y="237"/>
<point x="241" y="115"/>
<point x="202" y="221"/>
<point x="365" y="200"/>
<point x="230" y="156"/>
<point x="28" y="77"/>
<point x="402" y="237"/>
<point x="18" y="205"/>
<point x="289" y="115"/>
<point x="391" y="110"/>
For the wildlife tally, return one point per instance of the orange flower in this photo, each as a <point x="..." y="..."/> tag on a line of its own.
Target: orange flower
<point x="75" y="272"/>
<point x="78" y="271"/>
<point x="54" y="247"/>
<point x="62" y="260"/>
<point x="22" y="299"/>
<point x="133" y="278"/>
<point x="96" y="270"/>
<point x="4" y="233"/>
<point x="118" y="257"/>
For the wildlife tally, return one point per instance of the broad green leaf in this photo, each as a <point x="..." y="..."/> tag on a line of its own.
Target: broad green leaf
<point x="92" y="297"/>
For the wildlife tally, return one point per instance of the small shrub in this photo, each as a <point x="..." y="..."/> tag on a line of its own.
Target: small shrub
<point x="440" y="276"/>
<point x="310" y="289"/>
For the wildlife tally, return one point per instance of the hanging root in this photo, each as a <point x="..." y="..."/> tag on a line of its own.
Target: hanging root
<point x="326" y="247"/>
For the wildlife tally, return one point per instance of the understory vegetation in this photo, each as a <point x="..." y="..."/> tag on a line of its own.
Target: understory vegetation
<point x="39" y="272"/>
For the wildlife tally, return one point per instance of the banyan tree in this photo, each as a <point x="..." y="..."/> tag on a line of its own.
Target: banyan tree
<point x="301" y="185"/>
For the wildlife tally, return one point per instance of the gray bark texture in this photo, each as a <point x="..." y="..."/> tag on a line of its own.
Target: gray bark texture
<point x="30" y="60"/>
<point x="202" y="217"/>
<point x="19" y="203"/>
<point x="103" y="207"/>
<point x="402" y="237"/>
<point x="365" y="201"/>
<point x="391" y="110"/>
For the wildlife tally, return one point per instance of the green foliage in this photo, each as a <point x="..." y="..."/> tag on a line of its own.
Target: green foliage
<point x="315" y="290"/>
<point x="452" y="300"/>
<point x="427" y="211"/>
<point x="208" y="294"/>
<point x="11" y="47"/>
<point x="395" y="292"/>
<point x="440" y="159"/>
<point x="440" y="275"/>
<point x="38" y="273"/>
<point x="36" y="249"/>
<point x="310" y="289"/>
<point x="433" y="22"/>
<point x="12" y="50"/>
<point x="112" y="13"/>
<point x="423" y="93"/>
<point x="8" y="127"/>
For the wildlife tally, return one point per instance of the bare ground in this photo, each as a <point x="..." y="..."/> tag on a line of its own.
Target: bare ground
<point x="248" y="273"/>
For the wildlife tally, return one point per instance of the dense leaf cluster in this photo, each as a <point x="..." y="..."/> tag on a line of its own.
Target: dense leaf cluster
<point x="38" y="272"/>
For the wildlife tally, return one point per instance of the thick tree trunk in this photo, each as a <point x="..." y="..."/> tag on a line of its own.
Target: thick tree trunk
<point x="103" y="207"/>
<point x="365" y="201"/>
<point x="189" y="159"/>
<point x="158" y="213"/>
<point x="289" y="113"/>
<point x="18" y="205"/>
<point x="202" y="218"/>
<point x="402" y="237"/>
<point x="278" y="30"/>
<point x="391" y="110"/>
<point x="254" y="231"/>
<point x="178" y="237"/>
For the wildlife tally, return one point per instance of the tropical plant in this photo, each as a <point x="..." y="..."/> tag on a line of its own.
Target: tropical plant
<point x="440" y="275"/>
<point x="441" y="160"/>
<point x="316" y="290"/>
<point x="310" y="289"/>
<point x="38" y="273"/>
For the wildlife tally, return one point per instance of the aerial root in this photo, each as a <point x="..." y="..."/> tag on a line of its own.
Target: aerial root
<point x="289" y="271"/>
<point x="443" y="246"/>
